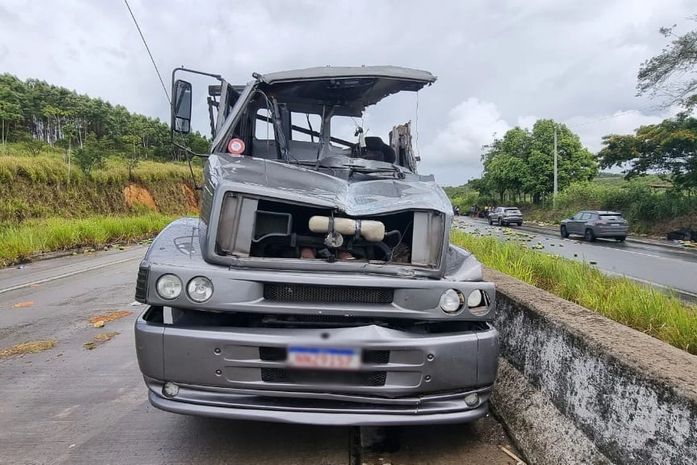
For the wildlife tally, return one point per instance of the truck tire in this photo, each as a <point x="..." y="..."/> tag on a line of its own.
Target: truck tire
<point x="563" y="232"/>
<point x="490" y="222"/>
<point x="621" y="238"/>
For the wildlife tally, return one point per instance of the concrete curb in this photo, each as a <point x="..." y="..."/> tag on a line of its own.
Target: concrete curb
<point x="632" y="396"/>
<point x="536" y="426"/>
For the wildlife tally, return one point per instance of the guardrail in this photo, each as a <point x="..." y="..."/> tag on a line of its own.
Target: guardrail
<point x="575" y="387"/>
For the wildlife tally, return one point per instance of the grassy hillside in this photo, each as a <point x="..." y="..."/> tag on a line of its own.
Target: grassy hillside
<point x="43" y="186"/>
<point x="46" y="205"/>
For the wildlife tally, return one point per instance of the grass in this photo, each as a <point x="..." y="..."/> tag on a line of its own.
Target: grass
<point x="52" y="169"/>
<point x="650" y="311"/>
<point x="32" y="237"/>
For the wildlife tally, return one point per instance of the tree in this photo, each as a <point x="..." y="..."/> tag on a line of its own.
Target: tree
<point x="91" y="155"/>
<point x="10" y="106"/>
<point x="668" y="149"/>
<point x="506" y="173"/>
<point x="672" y="73"/>
<point x="528" y="168"/>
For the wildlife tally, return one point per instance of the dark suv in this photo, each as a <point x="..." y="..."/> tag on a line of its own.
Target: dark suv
<point x="504" y="216"/>
<point x="592" y="224"/>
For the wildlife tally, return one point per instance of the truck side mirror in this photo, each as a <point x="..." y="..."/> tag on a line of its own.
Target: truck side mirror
<point x="181" y="107"/>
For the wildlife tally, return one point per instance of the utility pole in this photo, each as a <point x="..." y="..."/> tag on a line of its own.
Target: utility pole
<point x="554" y="198"/>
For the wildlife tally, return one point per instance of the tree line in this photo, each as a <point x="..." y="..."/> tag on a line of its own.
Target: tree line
<point x="36" y="114"/>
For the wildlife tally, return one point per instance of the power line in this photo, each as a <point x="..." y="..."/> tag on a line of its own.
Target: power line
<point x="164" y="88"/>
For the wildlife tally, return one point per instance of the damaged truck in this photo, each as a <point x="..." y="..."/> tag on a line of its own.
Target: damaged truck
<point x="318" y="284"/>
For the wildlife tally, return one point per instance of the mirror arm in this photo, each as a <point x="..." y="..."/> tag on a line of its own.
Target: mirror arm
<point x="190" y="153"/>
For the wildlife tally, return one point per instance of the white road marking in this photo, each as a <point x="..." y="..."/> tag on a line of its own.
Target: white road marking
<point x="66" y="275"/>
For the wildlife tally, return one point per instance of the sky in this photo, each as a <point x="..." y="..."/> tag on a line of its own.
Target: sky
<point x="500" y="63"/>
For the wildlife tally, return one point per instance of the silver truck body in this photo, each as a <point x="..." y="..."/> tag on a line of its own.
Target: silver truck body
<point x="277" y="290"/>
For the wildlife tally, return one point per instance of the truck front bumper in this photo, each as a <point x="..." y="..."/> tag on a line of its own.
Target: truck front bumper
<point x="318" y="409"/>
<point x="406" y="376"/>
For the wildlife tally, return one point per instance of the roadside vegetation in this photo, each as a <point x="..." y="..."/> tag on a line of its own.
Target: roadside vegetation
<point x="647" y="310"/>
<point x="647" y="202"/>
<point x="33" y="237"/>
<point x="79" y="172"/>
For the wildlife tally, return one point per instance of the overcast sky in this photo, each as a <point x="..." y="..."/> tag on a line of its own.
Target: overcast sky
<point x="499" y="63"/>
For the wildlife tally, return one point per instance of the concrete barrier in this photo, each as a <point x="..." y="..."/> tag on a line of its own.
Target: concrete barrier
<point x="575" y="387"/>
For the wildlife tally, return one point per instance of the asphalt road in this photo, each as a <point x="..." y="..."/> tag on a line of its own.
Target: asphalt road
<point x="71" y="405"/>
<point x="663" y="267"/>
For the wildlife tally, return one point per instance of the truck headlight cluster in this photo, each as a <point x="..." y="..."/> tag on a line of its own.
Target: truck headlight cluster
<point x="169" y="286"/>
<point x="452" y="301"/>
<point x="200" y="289"/>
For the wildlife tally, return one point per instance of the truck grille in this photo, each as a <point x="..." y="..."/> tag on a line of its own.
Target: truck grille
<point x="327" y="294"/>
<point x="142" y="284"/>
<point x="346" y="378"/>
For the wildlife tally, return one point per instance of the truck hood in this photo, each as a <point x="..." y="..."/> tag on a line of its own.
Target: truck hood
<point x="296" y="183"/>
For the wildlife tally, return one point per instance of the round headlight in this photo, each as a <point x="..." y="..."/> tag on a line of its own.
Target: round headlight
<point x="475" y="299"/>
<point x="200" y="289"/>
<point x="451" y="301"/>
<point x="169" y="286"/>
<point x="477" y="303"/>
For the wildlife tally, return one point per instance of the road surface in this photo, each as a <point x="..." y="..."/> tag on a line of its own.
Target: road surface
<point x="71" y="405"/>
<point x="663" y="267"/>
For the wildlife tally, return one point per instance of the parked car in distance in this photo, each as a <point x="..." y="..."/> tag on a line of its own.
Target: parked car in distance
<point x="593" y="224"/>
<point x="505" y="216"/>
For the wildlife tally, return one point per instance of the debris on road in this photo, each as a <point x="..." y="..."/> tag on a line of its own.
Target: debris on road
<point x="99" y="339"/>
<point x="26" y="304"/>
<point x="98" y="321"/>
<point x="518" y="460"/>
<point x="31" y="347"/>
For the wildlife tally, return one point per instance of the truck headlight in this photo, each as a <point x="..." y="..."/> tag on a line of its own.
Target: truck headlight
<point x="451" y="301"/>
<point x="169" y="286"/>
<point x="474" y="299"/>
<point x="477" y="303"/>
<point x="200" y="289"/>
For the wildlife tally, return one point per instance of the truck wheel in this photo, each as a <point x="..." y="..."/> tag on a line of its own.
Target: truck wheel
<point x="621" y="238"/>
<point x="564" y="233"/>
<point x="490" y="222"/>
<point x="589" y="236"/>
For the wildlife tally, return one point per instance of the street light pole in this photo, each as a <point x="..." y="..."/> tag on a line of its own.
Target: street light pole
<point x="554" y="198"/>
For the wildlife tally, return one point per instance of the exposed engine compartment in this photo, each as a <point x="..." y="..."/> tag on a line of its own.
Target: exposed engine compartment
<point x="265" y="228"/>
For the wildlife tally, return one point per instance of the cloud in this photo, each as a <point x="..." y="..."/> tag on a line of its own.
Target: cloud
<point x="454" y="156"/>
<point x="470" y="125"/>
<point x="591" y="129"/>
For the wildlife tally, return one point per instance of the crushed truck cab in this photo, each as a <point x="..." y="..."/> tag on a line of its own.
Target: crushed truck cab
<point x="318" y="284"/>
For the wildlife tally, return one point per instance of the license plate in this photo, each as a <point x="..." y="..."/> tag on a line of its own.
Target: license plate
<point x="324" y="357"/>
